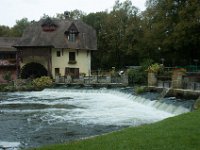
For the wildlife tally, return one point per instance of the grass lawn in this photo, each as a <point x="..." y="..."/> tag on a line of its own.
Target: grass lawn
<point x="177" y="133"/>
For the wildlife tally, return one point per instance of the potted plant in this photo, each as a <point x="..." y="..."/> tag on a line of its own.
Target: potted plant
<point x="152" y="72"/>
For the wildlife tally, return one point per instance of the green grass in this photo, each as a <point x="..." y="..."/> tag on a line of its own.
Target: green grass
<point x="177" y="133"/>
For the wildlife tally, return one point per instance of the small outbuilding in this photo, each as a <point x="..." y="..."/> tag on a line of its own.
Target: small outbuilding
<point x="8" y="64"/>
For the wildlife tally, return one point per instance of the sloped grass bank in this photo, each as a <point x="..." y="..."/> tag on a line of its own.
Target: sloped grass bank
<point x="177" y="133"/>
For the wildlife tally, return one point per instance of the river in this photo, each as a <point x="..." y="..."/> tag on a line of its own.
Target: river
<point x="32" y="119"/>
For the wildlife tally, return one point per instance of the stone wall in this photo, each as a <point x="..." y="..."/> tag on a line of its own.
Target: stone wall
<point x="12" y="73"/>
<point x="93" y="79"/>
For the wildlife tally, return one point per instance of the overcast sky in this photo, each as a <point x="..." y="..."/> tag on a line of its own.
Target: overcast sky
<point x="12" y="10"/>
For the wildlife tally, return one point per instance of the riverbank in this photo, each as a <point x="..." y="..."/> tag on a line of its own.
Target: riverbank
<point x="180" y="132"/>
<point x="37" y="84"/>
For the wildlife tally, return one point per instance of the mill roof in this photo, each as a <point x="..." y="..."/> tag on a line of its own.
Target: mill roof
<point x="6" y="43"/>
<point x="52" y="32"/>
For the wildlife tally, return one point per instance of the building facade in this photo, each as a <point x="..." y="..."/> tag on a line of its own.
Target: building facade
<point x="8" y="64"/>
<point x="61" y="47"/>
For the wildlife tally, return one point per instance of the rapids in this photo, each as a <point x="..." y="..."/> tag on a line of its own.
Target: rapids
<point x="57" y="115"/>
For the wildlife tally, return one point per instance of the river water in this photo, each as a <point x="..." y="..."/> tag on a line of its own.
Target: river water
<point x="32" y="119"/>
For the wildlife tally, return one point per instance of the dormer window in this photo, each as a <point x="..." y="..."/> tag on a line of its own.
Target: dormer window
<point x="72" y="37"/>
<point x="72" y="33"/>
<point x="48" y="25"/>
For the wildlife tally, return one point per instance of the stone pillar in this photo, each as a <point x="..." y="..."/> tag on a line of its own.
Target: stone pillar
<point x="152" y="79"/>
<point x="57" y="78"/>
<point x="124" y="78"/>
<point x="177" y="78"/>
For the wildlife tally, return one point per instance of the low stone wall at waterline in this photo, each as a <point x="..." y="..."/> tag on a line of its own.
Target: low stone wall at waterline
<point x="178" y="81"/>
<point x="123" y="79"/>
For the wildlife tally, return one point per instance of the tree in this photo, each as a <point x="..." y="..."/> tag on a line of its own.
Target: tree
<point x="113" y="34"/>
<point x="74" y="14"/>
<point x="19" y="28"/>
<point x="4" y="31"/>
<point x="172" y="30"/>
<point x="98" y="22"/>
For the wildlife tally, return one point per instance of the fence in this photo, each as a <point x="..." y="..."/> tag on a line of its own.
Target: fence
<point x="107" y="79"/>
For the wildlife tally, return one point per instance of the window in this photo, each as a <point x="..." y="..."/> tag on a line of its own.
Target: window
<point x="72" y="37"/>
<point x="73" y="72"/>
<point x="58" y="53"/>
<point x="57" y="71"/>
<point x="72" y="33"/>
<point x="72" y="58"/>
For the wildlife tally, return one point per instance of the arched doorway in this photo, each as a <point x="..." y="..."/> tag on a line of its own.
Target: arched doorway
<point x="33" y="70"/>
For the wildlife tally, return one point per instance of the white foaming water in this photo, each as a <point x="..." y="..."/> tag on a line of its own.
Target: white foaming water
<point x="9" y="145"/>
<point x="102" y="107"/>
<point x="38" y="114"/>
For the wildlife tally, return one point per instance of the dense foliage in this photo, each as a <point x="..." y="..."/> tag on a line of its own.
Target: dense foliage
<point x="168" y="31"/>
<point x="42" y="82"/>
<point x="16" y="30"/>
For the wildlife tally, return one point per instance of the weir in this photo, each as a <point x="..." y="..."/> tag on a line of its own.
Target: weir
<point x="163" y="93"/>
<point x="59" y="115"/>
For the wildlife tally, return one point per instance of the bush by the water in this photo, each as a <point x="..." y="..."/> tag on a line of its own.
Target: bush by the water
<point x="140" y="89"/>
<point x="42" y="82"/>
<point x="27" y="85"/>
<point x="197" y="104"/>
<point x="2" y="87"/>
<point x="138" y="75"/>
<point x="7" y="76"/>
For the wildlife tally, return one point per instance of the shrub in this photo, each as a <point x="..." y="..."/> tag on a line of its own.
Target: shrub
<point x="136" y="76"/>
<point x="2" y="87"/>
<point x="9" y="88"/>
<point x="42" y="82"/>
<point x="7" y="76"/>
<point x="197" y="104"/>
<point x="139" y="89"/>
<point x="182" y="70"/>
<point x="154" y="68"/>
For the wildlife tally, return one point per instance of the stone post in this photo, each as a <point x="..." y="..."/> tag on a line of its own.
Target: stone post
<point x="177" y="78"/>
<point x="57" y="78"/>
<point x="152" y="79"/>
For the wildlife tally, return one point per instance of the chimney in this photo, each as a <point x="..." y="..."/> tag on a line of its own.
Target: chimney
<point x="66" y="14"/>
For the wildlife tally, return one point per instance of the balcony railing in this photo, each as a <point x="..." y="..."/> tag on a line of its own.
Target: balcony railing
<point x="72" y="62"/>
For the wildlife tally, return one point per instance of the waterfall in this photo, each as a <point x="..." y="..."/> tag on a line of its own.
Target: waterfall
<point x="163" y="93"/>
<point x="162" y="105"/>
<point x="167" y="105"/>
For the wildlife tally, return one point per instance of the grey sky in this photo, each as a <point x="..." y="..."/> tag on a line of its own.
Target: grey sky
<point x="12" y="10"/>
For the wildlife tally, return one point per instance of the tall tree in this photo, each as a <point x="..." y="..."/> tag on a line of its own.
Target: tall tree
<point x="18" y="29"/>
<point x="172" y="27"/>
<point x="74" y="14"/>
<point x="113" y="36"/>
<point x="4" y="31"/>
<point x="98" y="22"/>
